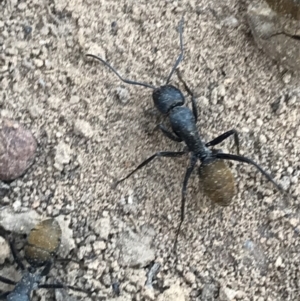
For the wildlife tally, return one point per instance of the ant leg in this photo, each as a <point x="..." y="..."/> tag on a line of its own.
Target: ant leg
<point x="169" y="134"/>
<point x="180" y="57"/>
<point x="61" y="285"/>
<point x="16" y="257"/>
<point x="249" y="161"/>
<point x="7" y="281"/>
<point x="194" y="106"/>
<point x="188" y="173"/>
<point x="195" y="111"/>
<point x="46" y="269"/>
<point x="159" y="154"/>
<point x="4" y="295"/>
<point x="224" y="136"/>
<point x="67" y="260"/>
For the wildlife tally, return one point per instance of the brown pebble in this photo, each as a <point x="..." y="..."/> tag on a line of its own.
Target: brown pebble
<point x="17" y="150"/>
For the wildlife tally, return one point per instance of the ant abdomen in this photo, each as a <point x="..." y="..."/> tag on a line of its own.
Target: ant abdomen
<point x="43" y="242"/>
<point x="217" y="181"/>
<point x="166" y="98"/>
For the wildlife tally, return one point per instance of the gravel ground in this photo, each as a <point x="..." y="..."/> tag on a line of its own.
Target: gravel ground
<point x="92" y="129"/>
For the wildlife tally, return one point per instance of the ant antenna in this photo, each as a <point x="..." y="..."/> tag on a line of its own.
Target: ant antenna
<point x="180" y="57"/>
<point x="127" y="81"/>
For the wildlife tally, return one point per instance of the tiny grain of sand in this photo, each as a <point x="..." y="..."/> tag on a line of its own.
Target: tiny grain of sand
<point x="247" y="251"/>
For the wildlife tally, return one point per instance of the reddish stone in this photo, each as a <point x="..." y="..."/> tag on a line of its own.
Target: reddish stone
<point x="17" y="150"/>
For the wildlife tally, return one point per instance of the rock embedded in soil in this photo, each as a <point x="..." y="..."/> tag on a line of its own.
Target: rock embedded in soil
<point x="135" y="249"/>
<point x="20" y="223"/>
<point x="67" y="240"/>
<point x="277" y="35"/>
<point x="17" y="150"/>
<point x="102" y="227"/>
<point x="122" y="94"/>
<point x="190" y="277"/>
<point x="62" y="156"/>
<point x="83" y="128"/>
<point x="227" y="294"/>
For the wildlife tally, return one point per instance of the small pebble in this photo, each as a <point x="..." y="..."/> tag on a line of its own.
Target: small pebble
<point x="62" y="156"/>
<point x="74" y="99"/>
<point x="262" y="139"/>
<point x="190" y="277"/>
<point x="123" y="95"/>
<point x="278" y="262"/>
<point x="287" y="78"/>
<point x="83" y="128"/>
<point x="38" y="62"/>
<point x="231" y="21"/>
<point x="22" y="6"/>
<point x="227" y="294"/>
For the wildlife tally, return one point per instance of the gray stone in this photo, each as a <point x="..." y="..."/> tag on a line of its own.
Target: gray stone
<point x="67" y="241"/>
<point x="135" y="250"/>
<point x="62" y="156"/>
<point x="21" y="222"/>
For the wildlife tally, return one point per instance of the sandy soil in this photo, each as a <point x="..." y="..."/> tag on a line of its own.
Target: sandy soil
<point x="247" y="251"/>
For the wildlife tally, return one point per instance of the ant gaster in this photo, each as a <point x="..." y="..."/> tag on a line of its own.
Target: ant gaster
<point x="42" y="245"/>
<point x="216" y="176"/>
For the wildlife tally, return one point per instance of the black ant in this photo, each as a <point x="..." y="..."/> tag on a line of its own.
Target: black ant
<point x="216" y="176"/>
<point x="42" y="245"/>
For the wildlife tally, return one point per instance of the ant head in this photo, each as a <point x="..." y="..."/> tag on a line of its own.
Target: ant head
<point x="166" y="98"/>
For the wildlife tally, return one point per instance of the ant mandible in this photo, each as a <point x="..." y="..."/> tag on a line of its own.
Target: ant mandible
<point x="214" y="173"/>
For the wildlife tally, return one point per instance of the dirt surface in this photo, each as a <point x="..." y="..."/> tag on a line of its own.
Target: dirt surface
<point x="93" y="129"/>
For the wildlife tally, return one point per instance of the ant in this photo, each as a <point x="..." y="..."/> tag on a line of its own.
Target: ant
<point x="42" y="245"/>
<point x="218" y="181"/>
